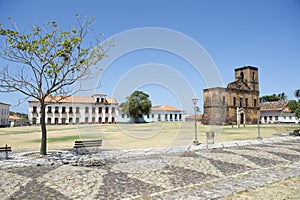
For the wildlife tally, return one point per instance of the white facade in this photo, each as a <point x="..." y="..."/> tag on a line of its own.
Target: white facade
<point x="4" y="114"/>
<point x="76" y="110"/>
<point x="158" y="114"/>
<point x="268" y="117"/>
<point x="276" y="112"/>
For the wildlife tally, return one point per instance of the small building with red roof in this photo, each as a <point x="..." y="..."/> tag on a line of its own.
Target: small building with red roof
<point x="160" y="113"/>
<point x="277" y="112"/>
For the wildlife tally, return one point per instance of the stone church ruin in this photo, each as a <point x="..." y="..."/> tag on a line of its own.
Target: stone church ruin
<point x="237" y="104"/>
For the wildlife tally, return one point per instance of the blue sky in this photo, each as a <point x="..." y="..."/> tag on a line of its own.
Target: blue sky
<point x="261" y="33"/>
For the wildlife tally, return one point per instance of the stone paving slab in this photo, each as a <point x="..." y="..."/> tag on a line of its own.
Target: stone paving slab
<point x="195" y="172"/>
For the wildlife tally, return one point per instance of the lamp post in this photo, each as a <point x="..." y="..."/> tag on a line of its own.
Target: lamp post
<point x="258" y="130"/>
<point x="195" y="101"/>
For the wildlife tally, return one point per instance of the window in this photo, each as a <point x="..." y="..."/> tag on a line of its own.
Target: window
<point x="56" y="109"/>
<point x="224" y="102"/>
<point x="100" y="110"/>
<point x="241" y="102"/>
<point x="113" y="110"/>
<point x="93" y="110"/>
<point x="63" y="110"/>
<point x="180" y="117"/>
<point x="276" y="118"/>
<point x="34" y="109"/>
<point x="159" y="117"/>
<point x="148" y="116"/>
<point x="77" y="120"/>
<point x="123" y="116"/>
<point x="242" y="76"/>
<point x="86" y="109"/>
<point x="77" y="110"/>
<point x="70" y="120"/>
<point x="270" y="118"/>
<point x="284" y="117"/>
<point x="166" y="117"/>
<point x="86" y="120"/>
<point x="152" y="116"/>
<point x="49" y="120"/>
<point x="246" y="102"/>
<point x="49" y="109"/>
<point x="254" y="102"/>
<point x="106" y="109"/>
<point x="234" y="101"/>
<point x="100" y="120"/>
<point x="71" y="110"/>
<point x="98" y="100"/>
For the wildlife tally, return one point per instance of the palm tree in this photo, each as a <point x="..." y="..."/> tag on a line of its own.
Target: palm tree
<point x="282" y="97"/>
<point x="297" y="93"/>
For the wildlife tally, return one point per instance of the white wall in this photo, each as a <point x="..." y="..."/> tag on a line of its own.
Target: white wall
<point x="4" y="114"/>
<point x="81" y="117"/>
<point x="277" y="117"/>
<point x="154" y="117"/>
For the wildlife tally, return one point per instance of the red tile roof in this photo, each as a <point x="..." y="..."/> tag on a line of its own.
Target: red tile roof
<point x="198" y="116"/>
<point x="13" y="117"/>
<point x="165" y="108"/>
<point x="75" y="99"/>
<point x="273" y="106"/>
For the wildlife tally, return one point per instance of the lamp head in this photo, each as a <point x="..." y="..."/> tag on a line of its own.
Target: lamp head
<point x="195" y="100"/>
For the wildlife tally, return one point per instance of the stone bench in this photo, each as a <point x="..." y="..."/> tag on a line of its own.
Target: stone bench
<point x="5" y="149"/>
<point x="83" y="144"/>
<point x="295" y="132"/>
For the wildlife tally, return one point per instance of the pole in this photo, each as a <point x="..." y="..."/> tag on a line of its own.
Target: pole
<point x="196" y="138"/>
<point x="195" y="100"/>
<point x="258" y="130"/>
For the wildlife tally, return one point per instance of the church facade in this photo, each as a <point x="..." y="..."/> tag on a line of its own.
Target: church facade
<point x="237" y="104"/>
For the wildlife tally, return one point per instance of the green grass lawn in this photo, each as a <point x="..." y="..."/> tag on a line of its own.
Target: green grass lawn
<point x="132" y="136"/>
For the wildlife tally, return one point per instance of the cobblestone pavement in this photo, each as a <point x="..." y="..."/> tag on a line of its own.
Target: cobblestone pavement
<point x="196" y="174"/>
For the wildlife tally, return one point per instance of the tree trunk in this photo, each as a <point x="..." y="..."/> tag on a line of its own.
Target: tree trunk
<point x="44" y="130"/>
<point x="136" y="118"/>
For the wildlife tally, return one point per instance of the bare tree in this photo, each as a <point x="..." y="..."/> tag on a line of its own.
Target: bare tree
<point x="47" y="61"/>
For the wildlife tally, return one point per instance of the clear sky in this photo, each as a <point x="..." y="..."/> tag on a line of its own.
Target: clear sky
<point x="234" y="33"/>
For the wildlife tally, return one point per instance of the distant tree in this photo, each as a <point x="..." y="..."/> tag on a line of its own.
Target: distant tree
<point x="273" y="97"/>
<point x="294" y="106"/>
<point x="47" y="61"/>
<point x="297" y="93"/>
<point x="137" y="105"/>
<point x="282" y="96"/>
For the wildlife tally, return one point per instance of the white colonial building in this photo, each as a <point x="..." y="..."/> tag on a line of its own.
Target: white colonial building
<point x="163" y="113"/>
<point x="75" y="110"/>
<point x="4" y="114"/>
<point x="277" y="112"/>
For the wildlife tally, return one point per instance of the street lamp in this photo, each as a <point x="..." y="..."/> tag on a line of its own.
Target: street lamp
<point x="195" y="101"/>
